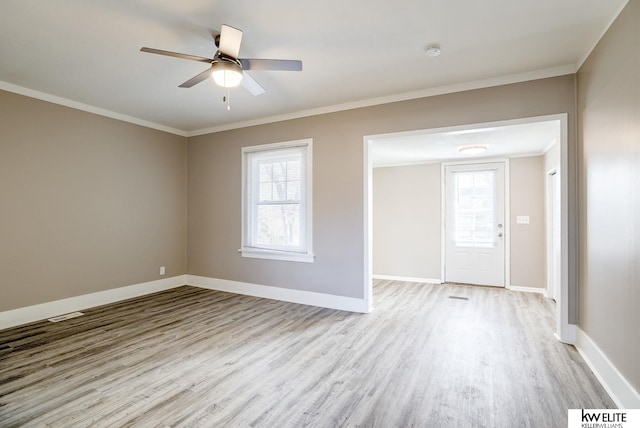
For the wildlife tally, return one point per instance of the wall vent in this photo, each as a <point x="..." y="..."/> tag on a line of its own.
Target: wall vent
<point x="66" y="316"/>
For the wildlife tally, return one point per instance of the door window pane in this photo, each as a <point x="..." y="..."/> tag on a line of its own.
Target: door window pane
<point x="474" y="208"/>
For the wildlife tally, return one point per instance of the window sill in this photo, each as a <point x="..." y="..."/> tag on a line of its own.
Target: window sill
<point x="276" y="255"/>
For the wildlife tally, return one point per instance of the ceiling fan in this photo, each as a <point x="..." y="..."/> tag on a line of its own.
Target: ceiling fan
<point x="226" y="68"/>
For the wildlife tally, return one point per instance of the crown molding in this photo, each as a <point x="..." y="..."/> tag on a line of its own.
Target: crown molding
<point x="405" y="96"/>
<point x="31" y="93"/>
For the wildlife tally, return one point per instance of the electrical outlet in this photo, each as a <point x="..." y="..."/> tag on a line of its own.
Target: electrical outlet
<point x="162" y="270"/>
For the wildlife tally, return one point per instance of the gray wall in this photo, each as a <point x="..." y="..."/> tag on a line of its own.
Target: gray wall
<point x="88" y="203"/>
<point x="214" y="180"/>
<point x="609" y="108"/>
<point x="528" y="241"/>
<point x="91" y="203"/>
<point x="407" y="221"/>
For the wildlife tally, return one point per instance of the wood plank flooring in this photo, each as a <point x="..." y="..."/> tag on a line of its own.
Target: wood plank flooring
<point x="199" y="358"/>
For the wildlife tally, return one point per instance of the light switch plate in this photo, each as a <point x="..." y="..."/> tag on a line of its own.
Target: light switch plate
<point x="522" y="219"/>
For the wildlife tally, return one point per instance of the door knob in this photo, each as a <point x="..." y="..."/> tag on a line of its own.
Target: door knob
<point x="500" y="235"/>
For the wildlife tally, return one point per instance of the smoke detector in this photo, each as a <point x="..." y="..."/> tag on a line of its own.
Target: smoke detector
<point x="433" y="50"/>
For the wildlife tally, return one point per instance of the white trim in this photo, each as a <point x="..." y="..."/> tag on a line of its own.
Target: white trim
<point x="552" y="204"/>
<point x="408" y="279"/>
<point x="565" y="331"/>
<point x="289" y="256"/>
<point x="476" y="161"/>
<point x="43" y="311"/>
<point x="570" y="334"/>
<point x="528" y="289"/>
<point x="412" y="95"/>
<point x="467" y="127"/>
<point x="437" y="161"/>
<point x="9" y="87"/>
<point x="443" y="222"/>
<point x="507" y="222"/>
<point x="367" y="261"/>
<point x="284" y="294"/>
<point x="616" y="385"/>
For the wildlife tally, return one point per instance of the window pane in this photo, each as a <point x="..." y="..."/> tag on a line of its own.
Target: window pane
<point x="293" y="191"/>
<point x="293" y="170"/>
<point x="474" y="208"/>
<point x="279" y="180"/>
<point x="265" y="172"/>
<point x="279" y="191"/>
<point x="278" y="225"/>
<point x="265" y="192"/>
<point x="280" y="171"/>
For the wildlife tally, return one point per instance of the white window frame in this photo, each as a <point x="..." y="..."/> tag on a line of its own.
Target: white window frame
<point x="304" y="253"/>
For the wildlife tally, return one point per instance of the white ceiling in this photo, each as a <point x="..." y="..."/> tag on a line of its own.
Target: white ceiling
<point x="86" y="53"/>
<point x="509" y="140"/>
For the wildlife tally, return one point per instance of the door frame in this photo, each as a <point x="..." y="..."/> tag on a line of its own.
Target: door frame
<point x="565" y="330"/>
<point x="443" y="213"/>
<point x="552" y="203"/>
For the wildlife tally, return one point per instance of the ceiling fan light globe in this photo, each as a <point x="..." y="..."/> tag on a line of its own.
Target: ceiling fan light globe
<point x="226" y="74"/>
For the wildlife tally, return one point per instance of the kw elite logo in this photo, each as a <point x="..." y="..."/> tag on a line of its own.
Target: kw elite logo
<point x="604" y="418"/>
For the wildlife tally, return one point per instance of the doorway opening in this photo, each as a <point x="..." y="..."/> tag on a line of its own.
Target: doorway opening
<point x="441" y="145"/>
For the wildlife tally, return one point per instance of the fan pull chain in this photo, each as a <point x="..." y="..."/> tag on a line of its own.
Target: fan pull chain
<point x="228" y="99"/>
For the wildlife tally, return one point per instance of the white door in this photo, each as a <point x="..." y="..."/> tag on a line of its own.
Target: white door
<point x="474" y="224"/>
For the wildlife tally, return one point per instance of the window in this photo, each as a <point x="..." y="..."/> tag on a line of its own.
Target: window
<point x="474" y="208"/>
<point x="276" y="201"/>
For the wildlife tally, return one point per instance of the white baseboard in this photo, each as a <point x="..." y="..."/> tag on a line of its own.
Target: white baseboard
<point x="568" y="334"/>
<point x="43" y="311"/>
<point x="285" y="294"/>
<point x="542" y="291"/>
<point x="408" y="279"/>
<point x="618" y="387"/>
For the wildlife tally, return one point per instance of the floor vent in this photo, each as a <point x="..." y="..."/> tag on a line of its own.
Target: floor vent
<point x="458" y="297"/>
<point x="66" y="316"/>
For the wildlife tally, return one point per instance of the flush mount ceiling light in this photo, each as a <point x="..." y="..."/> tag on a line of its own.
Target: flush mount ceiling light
<point x="226" y="73"/>
<point x="433" y="50"/>
<point x="472" y="150"/>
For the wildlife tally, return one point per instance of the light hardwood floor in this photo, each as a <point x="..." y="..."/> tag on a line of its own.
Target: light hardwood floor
<point x="194" y="357"/>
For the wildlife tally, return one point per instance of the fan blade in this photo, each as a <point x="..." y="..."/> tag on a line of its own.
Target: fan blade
<point x="230" y="39"/>
<point x="177" y="55"/>
<point x="197" y="79"/>
<point x="251" y="85"/>
<point x="271" y="64"/>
